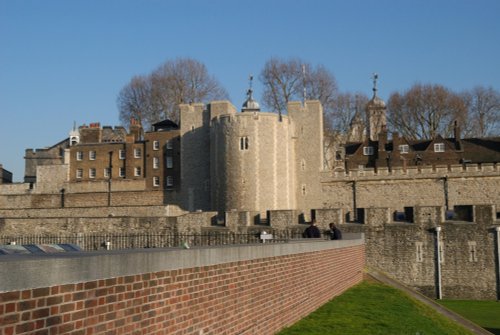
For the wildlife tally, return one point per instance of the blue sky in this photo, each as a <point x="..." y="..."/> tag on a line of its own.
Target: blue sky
<point x="65" y="61"/>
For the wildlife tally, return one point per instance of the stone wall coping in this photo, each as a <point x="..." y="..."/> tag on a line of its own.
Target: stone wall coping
<point x="19" y="272"/>
<point x="397" y="173"/>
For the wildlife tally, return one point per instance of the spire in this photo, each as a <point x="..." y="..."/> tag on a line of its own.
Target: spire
<point x="375" y="77"/>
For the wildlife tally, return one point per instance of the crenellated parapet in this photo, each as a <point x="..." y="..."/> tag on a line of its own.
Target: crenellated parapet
<point x="437" y="171"/>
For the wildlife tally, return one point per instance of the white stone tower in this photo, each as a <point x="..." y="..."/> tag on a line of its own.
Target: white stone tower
<point x="376" y="111"/>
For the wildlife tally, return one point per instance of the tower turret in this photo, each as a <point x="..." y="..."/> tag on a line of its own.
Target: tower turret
<point x="376" y="111"/>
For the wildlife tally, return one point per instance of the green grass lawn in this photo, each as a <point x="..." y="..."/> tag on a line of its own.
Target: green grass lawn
<point x="372" y="308"/>
<point x="484" y="313"/>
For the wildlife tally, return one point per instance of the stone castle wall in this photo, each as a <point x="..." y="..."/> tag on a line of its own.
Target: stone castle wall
<point x="454" y="185"/>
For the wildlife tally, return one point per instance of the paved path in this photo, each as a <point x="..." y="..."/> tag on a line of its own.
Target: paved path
<point x="382" y="277"/>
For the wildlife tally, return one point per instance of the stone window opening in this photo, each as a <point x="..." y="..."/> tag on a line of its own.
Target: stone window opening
<point x="122" y="172"/>
<point x="303" y="165"/>
<point x="79" y="155"/>
<point x="472" y="251"/>
<point x="121" y="154"/>
<point x="92" y="173"/>
<point x="404" y="148"/>
<point x="244" y="143"/>
<point x="137" y="171"/>
<point x="92" y="155"/>
<point x="420" y="251"/>
<point x="303" y="189"/>
<point x="107" y="172"/>
<point x="156" y="163"/>
<point x="79" y="173"/>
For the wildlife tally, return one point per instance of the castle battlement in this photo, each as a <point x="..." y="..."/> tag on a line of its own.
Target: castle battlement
<point x="436" y="171"/>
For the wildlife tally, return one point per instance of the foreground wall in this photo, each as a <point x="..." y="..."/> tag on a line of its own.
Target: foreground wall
<point x="255" y="289"/>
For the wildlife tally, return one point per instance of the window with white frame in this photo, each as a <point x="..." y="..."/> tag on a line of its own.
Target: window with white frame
<point x="367" y="151"/>
<point x="170" y="181"/>
<point x="170" y="162"/>
<point x="156" y="181"/>
<point x="107" y="172"/>
<point x="404" y="148"/>
<point x="79" y="155"/>
<point x="122" y="172"/>
<point x="92" y="173"/>
<point x="121" y="154"/>
<point x="438" y="147"/>
<point x="156" y="145"/>
<point x="92" y="155"/>
<point x="137" y="152"/>
<point x="156" y="163"/>
<point x="137" y="171"/>
<point x="170" y="145"/>
<point x="79" y="173"/>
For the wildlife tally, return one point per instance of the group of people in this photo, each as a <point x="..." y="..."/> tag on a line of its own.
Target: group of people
<point x="313" y="231"/>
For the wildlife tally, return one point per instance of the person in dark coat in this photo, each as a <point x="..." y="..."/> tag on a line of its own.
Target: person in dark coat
<point x="312" y="231"/>
<point x="335" y="233"/>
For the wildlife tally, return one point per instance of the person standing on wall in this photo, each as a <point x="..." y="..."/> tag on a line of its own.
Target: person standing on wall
<point x="335" y="233"/>
<point x="312" y="231"/>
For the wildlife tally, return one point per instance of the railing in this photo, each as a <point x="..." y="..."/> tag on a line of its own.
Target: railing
<point x="152" y="240"/>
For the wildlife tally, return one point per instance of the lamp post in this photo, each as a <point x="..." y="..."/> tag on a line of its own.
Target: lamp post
<point x="438" y="265"/>
<point x="110" y="173"/>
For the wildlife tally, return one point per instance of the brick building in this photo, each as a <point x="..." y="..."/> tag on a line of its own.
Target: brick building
<point x="104" y="153"/>
<point x="376" y="150"/>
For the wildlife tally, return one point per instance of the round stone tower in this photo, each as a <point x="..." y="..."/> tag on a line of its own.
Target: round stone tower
<point x="251" y="159"/>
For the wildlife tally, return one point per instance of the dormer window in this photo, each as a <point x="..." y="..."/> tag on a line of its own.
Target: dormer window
<point x="438" y="147"/>
<point x="368" y="151"/>
<point x="74" y="140"/>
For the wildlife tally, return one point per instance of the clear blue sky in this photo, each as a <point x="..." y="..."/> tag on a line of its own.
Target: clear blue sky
<point x="65" y="61"/>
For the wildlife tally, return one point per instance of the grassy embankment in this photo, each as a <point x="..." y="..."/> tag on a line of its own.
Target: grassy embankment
<point x="484" y="313"/>
<point x="372" y="308"/>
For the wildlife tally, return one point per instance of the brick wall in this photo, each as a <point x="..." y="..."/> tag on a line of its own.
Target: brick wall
<point x="231" y="290"/>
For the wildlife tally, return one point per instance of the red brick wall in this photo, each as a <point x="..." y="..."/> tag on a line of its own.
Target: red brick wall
<point x="247" y="297"/>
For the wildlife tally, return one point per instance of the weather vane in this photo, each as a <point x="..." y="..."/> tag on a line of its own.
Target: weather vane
<point x="375" y="77"/>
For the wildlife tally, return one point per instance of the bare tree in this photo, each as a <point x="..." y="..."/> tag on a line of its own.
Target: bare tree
<point x="295" y="79"/>
<point x="424" y="111"/>
<point x="345" y="108"/>
<point x="483" y="112"/>
<point x="156" y="96"/>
